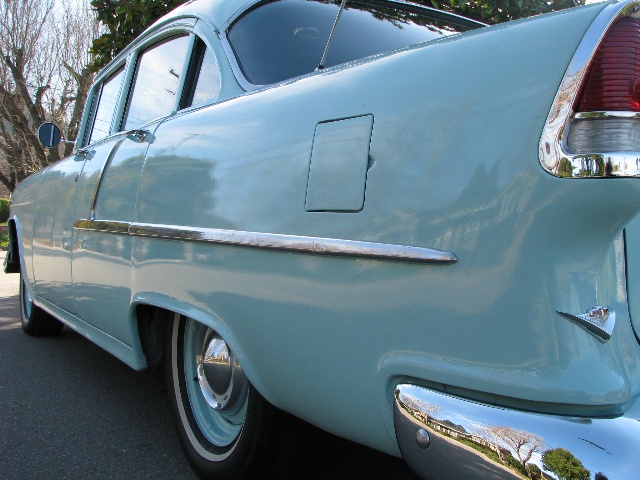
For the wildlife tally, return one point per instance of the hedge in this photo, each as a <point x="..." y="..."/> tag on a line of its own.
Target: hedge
<point x="4" y="210"/>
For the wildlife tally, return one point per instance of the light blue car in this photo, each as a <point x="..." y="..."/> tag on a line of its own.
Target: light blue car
<point x="405" y="227"/>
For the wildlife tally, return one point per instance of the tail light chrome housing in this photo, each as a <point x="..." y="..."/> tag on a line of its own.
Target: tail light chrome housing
<point x="593" y="128"/>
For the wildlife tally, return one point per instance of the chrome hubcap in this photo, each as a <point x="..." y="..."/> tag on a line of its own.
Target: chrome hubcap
<point x="222" y="382"/>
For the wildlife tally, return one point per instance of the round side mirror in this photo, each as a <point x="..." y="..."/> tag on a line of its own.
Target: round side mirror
<point x="49" y="135"/>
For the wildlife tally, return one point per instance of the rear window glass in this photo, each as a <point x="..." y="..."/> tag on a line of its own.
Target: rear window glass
<point x="286" y="38"/>
<point x="367" y="29"/>
<point x="282" y="39"/>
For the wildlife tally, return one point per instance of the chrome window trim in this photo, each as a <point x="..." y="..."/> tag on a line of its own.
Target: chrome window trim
<point x="436" y="13"/>
<point x="552" y="148"/>
<point x="273" y="241"/>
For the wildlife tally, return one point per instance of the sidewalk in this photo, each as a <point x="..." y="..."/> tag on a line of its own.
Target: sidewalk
<point x="9" y="283"/>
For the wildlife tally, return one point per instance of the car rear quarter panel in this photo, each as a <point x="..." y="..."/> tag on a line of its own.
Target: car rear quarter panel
<point x="453" y="166"/>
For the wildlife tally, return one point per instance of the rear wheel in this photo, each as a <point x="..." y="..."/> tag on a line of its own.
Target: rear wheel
<point x="35" y="321"/>
<point x="223" y="423"/>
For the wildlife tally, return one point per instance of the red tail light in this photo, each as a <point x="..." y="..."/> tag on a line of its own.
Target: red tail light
<point x="613" y="80"/>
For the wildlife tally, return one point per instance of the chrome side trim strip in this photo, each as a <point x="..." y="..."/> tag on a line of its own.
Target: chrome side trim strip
<point x="445" y="437"/>
<point x="100" y="226"/>
<point x="552" y="148"/>
<point x="293" y="243"/>
<point x="274" y="241"/>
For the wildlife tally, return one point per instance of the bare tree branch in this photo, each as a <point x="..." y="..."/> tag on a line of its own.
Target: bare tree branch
<point x="520" y="442"/>
<point x="44" y="47"/>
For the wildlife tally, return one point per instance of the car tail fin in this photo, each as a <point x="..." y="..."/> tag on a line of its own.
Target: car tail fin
<point x="593" y="128"/>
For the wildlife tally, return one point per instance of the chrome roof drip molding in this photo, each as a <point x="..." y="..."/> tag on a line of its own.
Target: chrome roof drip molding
<point x="598" y="321"/>
<point x="274" y="241"/>
<point x="553" y="143"/>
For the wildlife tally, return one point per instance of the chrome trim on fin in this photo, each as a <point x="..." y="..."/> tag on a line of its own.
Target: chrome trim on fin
<point x="598" y="321"/>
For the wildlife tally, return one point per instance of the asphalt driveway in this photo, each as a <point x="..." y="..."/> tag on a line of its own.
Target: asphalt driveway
<point x="69" y="410"/>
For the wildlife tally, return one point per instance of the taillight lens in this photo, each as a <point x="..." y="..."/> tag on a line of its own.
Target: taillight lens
<point x="612" y="88"/>
<point x="613" y="81"/>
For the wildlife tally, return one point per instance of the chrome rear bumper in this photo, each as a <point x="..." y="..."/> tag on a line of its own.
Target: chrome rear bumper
<point x="443" y="437"/>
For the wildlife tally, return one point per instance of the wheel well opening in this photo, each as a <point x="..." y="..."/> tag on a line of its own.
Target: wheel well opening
<point x="152" y="329"/>
<point x="12" y="262"/>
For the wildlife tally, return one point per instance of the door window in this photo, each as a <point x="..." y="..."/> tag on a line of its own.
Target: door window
<point x="158" y="78"/>
<point x="208" y="84"/>
<point x="107" y="103"/>
<point x="203" y="77"/>
<point x="156" y="82"/>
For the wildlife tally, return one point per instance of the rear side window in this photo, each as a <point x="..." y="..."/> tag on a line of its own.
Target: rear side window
<point x="286" y="38"/>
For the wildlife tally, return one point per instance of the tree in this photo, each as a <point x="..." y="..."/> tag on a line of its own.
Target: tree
<point x="565" y="465"/>
<point x="43" y="52"/>
<point x="534" y="472"/>
<point x="124" y="20"/>
<point x="520" y="442"/>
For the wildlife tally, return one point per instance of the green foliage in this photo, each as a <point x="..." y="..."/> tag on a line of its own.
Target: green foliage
<point x="565" y="169"/>
<point x="124" y="21"/>
<point x="516" y="465"/>
<point x="565" y="465"/>
<point x="4" y="239"/>
<point x="4" y="210"/>
<point x="534" y="471"/>
<point x="496" y="11"/>
<point x="480" y="448"/>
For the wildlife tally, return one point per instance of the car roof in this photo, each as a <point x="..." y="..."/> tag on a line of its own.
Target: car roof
<point x="215" y="12"/>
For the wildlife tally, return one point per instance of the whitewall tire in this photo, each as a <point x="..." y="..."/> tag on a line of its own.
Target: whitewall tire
<point x="223" y="423"/>
<point x="35" y="321"/>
